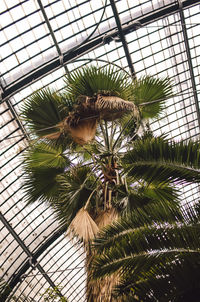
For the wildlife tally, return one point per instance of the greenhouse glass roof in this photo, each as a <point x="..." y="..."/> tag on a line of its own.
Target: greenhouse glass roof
<point x="41" y="41"/>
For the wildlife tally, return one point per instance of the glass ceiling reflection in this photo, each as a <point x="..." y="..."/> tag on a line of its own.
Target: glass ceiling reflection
<point x="40" y="42"/>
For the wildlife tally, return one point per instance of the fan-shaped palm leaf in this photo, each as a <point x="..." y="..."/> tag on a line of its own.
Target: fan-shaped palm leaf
<point x="75" y="188"/>
<point x="44" y="111"/>
<point x="150" y="94"/>
<point x="41" y="185"/>
<point x="101" y="93"/>
<point x="42" y="164"/>
<point x="42" y="155"/>
<point x="83" y="226"/>
<point x="91" y="80"/>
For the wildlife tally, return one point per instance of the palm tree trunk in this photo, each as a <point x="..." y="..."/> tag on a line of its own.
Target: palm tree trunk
<point x="101" y="290"/>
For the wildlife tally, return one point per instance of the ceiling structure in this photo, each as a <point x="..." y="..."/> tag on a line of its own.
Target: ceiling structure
<point x="41" y="41"/>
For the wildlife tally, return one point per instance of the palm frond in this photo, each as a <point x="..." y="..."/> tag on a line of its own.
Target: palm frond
<point x="43" y="111"/>
<point x="129" y="199"/>
<point x="83" y="226"/>
<point x="41" y="185"/>
<point x="42" y="163"/>
<point x="156" y="213"/>
<point x="42" y="155"/>
<point x="175" y="281"/>
<point x="92" y="80"/>
<point x="155" y="260"/>
<point x="75" y="187"/>
<point x="160" y="191"/>
<point x="150" y="94"/>
<point x="156" y="159"/>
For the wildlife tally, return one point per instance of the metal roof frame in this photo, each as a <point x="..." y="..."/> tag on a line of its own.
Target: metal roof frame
<point x="119" y="33"/>
<point x="94" y="43"/>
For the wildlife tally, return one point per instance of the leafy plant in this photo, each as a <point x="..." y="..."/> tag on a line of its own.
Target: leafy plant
<point x="53" y="295"/>
<point x="157" y="258"/>
<point x="98" y="166"/>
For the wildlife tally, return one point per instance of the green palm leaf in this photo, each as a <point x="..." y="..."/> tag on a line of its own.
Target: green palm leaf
<point x="42" y="155"/>
<point x="150" y="94"/>
<point x="139" y="218"/>
<point x="155" y="261"/>
<point x="176" y="280"/>
<point x="44" y="110"/>
<point x="42" y="164"/>
<point x="130" y="198"/>
<point x="156" y="159"/>
<point x="92" y="80"/>
<point x="41" y="185"/>
<point x="75" y="187"/>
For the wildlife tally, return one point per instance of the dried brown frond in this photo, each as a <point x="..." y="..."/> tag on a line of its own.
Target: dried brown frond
<point x="112" y="107"/>
<point x="84" y="132"/>
<point x="106" y="217"/>
<point x="81" y="124"/>
<point x="54" y="135"/>
<point x="83" y="226"/>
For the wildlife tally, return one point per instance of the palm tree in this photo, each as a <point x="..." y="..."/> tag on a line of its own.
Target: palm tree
<point x="91" y="159"/>
<point x="157" y="259"/>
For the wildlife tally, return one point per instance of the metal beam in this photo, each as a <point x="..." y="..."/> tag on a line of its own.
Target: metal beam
<point x="32" y="260"/>
<point x="52" y="35"/>
<point x="17" y="119"/>
<point x="130" y="26"/>
<point x="123" y="38"/>
<point x="14" y="113"/>
<point x="189" y="60"/>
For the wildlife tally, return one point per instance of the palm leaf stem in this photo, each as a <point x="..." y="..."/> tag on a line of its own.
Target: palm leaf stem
<point x="89" y="198"/>
<point x="121" y="132"/>
<point x="105" y="136"/>
<point x="106" y="265"/>
<point x="130" y="140"/>
<point x="99" y="143"/>
<point x="109" y="197"/>
<point x="105" y="194"/>
<point x="155" y="101"/>
<point x="113" y="131"/>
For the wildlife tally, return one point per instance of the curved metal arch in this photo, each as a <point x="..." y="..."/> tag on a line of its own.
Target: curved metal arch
<point x="32" y="256"/>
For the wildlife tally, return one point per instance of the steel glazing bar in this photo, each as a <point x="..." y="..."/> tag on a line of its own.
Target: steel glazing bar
<point x="30" y="256"/>
<point x="13" y="7"/>
<point x="14" y="113"/>
<point x="122" y="38"/>
<point x="92" y="44"/>
<point x="17" y="119"/>
<point x="189" y="60"/>
<point x="52" y="34"/>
